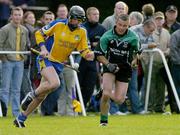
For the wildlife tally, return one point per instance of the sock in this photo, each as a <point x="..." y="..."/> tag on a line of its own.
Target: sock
<point x="104" y="119"/>
<point x="21" y="117"/>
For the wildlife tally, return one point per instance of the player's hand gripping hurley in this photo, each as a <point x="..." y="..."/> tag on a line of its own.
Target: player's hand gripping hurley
<point x="54" y="60"/>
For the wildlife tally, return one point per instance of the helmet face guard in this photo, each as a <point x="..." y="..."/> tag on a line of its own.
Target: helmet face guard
<point x="79" y="18"/>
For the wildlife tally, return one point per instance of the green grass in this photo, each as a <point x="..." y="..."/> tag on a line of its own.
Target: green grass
<point x="118" y="125"/>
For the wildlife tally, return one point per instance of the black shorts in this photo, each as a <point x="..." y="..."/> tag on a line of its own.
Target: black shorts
<point x="123" y="75"/>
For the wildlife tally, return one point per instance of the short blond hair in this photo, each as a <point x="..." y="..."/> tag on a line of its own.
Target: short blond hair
<point x="48" y="13"/>
<point x="90" y="9"/>
<point x="16" y="9"/>
<point x="123" y="3"/>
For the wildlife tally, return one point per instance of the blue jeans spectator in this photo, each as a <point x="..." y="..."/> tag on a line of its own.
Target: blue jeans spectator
<point x="143" y="92"/>
<point x="114" y="108"/>
<point x="12" y="73"/>
<point x="133" y="94"/>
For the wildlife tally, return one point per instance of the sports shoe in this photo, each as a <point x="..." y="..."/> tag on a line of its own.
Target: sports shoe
<point x="18" y="123"/>
<point x="103" y="124"/>
<point x="120" y="113"/>
<point x="98" y="95"/>
<point x="26" y="101"/>
<point x="166" y="113"/>
<point x="142" y="112"/>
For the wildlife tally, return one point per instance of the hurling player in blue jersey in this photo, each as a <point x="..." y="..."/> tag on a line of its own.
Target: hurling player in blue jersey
<point x="57" y="40"/>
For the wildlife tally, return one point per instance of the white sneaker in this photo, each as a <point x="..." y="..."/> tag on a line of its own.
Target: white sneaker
<point x="142" y="112"/>
<point x="127" y="112"/>
<point x="166" y="113"/>
<point x="119" y="113"/>
<point x="103" y="124"/>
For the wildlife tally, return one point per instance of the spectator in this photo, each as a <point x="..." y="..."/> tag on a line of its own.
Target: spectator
<point x="28" y="22"/>
<point x="47" y="17"/>
<point x="175" y="58"/>
<point x="13" y="37"/>
<point x="62" y="12"/>
<point x="171" y="24"/>
<point x="120" y="8"/>
<point x="4" y="12"/>
<point x="148" y="11"/>
<point x="94" y="30"/>
<point x="4" y="16"/>
<point x="144" y="32"/>
<point x="136" y="18"/>
<point x="161" y="37"/>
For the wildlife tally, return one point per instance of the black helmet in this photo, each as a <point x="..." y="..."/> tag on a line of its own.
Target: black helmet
<point x="77" y="12"/>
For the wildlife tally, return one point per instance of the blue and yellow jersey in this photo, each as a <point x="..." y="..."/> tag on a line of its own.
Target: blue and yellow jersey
<point x="60" y="41"/>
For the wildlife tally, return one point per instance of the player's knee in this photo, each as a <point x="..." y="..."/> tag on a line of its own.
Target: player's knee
<point x="119" y="100"/>
<point x="54" y="85"/>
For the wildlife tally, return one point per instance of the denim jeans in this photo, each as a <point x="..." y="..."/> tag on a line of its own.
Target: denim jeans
<point x="113" y="107"/>
<point x="12" y="73"/>
<point x="133" y="93"/>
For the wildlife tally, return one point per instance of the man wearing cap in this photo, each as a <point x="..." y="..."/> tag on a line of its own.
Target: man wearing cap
<point x="157" y="91"/>
<point x="171" y="23"/>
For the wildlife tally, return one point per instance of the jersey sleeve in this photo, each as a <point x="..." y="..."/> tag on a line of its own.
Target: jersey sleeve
<point x="44" y="32"/>
<point x="101" y="48"/>
<point x="83" y="45"/>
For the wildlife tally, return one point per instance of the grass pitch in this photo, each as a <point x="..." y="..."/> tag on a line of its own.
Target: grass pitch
<point x="118" y="125"/>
